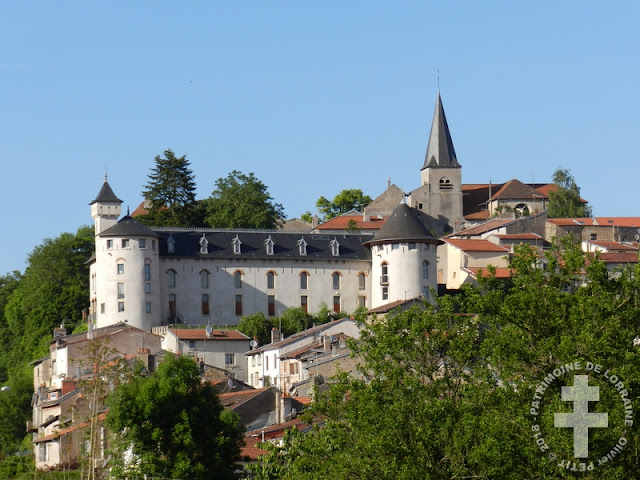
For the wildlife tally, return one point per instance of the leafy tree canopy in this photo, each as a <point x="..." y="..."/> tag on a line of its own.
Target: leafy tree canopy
<point x="565" y="201"/>
<point x="256" y="326"/>
<point x="174" y="425"/>
<point x="343" y="202"/>
<point x="446" y="391"/>
<point x="242" y="201"/>
<point x="171" y="189"/>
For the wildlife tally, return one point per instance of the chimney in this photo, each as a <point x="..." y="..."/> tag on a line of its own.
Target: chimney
<point x="314" y="221"/>
<point x="365" y="215"/>
<point x="326" y="343"/>
<point x="275" y="335"/>
<point x="143" y="355"/>
<point x="68" y="386"/>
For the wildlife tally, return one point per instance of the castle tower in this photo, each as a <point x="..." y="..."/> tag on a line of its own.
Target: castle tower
<point x="403" y="258"/>
<point x="105" y="209"/>
<point x="440" y="193"/>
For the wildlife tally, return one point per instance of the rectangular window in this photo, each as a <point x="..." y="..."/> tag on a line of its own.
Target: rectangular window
<point x="147" y="272"/>
<point x="120" y="291"/>
<point x="271" y="305"/>
<point x="204" y="279"/>
<point x="395" y="246"/>
<point x="238" y="304"/>
<point x="192" y="344"/>
<point x="125" y="243"/>
<point x="121" y="306"/>
<point x="237" y="279"/>
<point x="230" y="359"/>
<point x="266" y="362"/>
<point x="385" y="293"/>
<point x="271" y="280"/>
<point x="336" y="303"/>
<point x="336" y="281"/>
<point x="362" y="301"/>
<point x="102" y="308"/>
<point x="153" y="244"/>
<point x="147" y="288"/>
<point x="121" y="269"/>
<point x="304" y="303"/>
<point x="412" y="246"/>
<point x="253" y="360"/>
<point x="303" y="281"/>
<point x="147" y="307"/>
<point x="205" y="304"/>
<point x="362" y="282"/>
<point x="142" y="243"/>
<point x="109" y="244"/>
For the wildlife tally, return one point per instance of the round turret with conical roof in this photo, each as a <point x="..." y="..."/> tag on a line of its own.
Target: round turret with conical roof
<point x="403" y="258"/>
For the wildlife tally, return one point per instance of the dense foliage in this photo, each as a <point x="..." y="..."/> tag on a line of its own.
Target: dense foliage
<point x="343" y="202"/>
<point x="447" y="391"/>
<point x="174" y="425"/>
<point x="171" y="189"/>
<point x="565" y="200"/>
<point x="242" y="201"/>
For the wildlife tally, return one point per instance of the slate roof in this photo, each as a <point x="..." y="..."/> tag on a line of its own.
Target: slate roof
<point x="440" y="151"/>
<point x="220" y="244"/>
<point x="128" y="226"/>
<point x="106" y="195"/>
<point x="404" y="225"/>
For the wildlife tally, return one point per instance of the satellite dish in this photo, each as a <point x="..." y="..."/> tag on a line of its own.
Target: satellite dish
<point x="230" y="383"/>
<point x="253" y="344"/>
<point x="208" y="330"/>
<point x="637" y="236"/>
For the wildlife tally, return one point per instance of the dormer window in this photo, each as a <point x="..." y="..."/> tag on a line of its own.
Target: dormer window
<point x="302" y="246"/>
<point x="171" y="245"/>
<point x="236" y="245"/>
<point x="268" y="244"/>
<point x="335" y="247"/>
<point x="204" y="244"/>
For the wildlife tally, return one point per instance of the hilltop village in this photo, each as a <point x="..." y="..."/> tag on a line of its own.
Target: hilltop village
<point x="158" y="290"/>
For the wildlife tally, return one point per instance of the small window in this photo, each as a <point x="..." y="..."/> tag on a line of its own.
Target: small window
<point x="109" y="244"/>
<point x="153" y="244"/>
<point x="147" y="288"/>
<point x="204" y="244"/>
<point x="271" y="280"/>
<point x="142" y="243"/>
<point x="230" y="359"/>
<point x="395" y="246"/>
<point x="335" y="277"/>
<point x="385" y="293"/>
<point x="147" y="307"/>
<point x="171" y="278"/>
<point x="121" y="269"/>
<point x="238" y="304"/>
<point x="362" y="281"/>
<point x="102" y="308"/>
<point x="304" y="280"/>
<point x="445" y="184"/>
<point x="125" y="243"/>
<point x="304" y="303"/>
<point x="271" y="305"/>
<point x="425" y="270"/>
<point x="266" y="362"/>
<point x="204" y="279"/>
<point x="594" y="236"/>
<point x="362" y="301"/>
<point x="120" y="291"/>
<point x="384" y="279"/>
<point x="205" y="304"/>
<point x="171" y="245"/>
<point x="192" y="344"/>
<point x="336" y="303"/>
<point x="412" y="246"/>
<point x="302" y="247"/>
<point x="237" y="279"/>
<point x="425" y="292"/>
<point x="121" y="306"/>
<point x="147" y="272"/>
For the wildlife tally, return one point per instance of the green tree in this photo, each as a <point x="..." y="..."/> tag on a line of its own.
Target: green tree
<point x="565" y="200"/>
<point x="175" y="425"/>
<point x="242" y="201"/>
<point x="256" y="326"/>
<point x="294" y="320"/>
<point x="171" y="189"/>
<point x="307" y="217"/>
<point x="447" y="390"/>
<point x="343" y="202"/>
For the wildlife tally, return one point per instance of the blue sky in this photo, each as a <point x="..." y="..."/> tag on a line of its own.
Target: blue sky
<point x="312" y="97"/>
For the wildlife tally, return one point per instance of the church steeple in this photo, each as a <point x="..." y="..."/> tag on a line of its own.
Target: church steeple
<point x="440" y="151"/>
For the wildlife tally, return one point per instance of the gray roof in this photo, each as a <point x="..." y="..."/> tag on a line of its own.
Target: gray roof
<point x="440" y="151"/>
<point x="129" y="227"/>
<point x="404" y="225"/>
<point x="106" y="195"/>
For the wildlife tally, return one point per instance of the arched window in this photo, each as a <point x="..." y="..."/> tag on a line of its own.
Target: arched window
<point x="204" y="279"/>
<point x="304" y="280"/>
<point x="523" y="209"/>
<point x="445" y="184"/>
<point x="237" y="279"/>
<point x="425" y="269"/>
<point x="335" y="277"/>
<point x="362" y="281"/>
<point x="271" y="280"/>
<point x="384" y="279"/>
<point x="171" y="278"/>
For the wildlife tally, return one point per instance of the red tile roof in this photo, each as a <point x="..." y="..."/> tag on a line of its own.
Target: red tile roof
<point x="201" y="334"/>
<point x="476" y="245"/>
<point x="619" y="257"/>
<point x="501" y="272"/>
<point x="519" y="236"/>
<point x="235" y="399"/>
<point x="568" y="222"/>
<point x="482" y="215"/>
<point x="342" y="223"/>
<point x="615" y="245"/>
